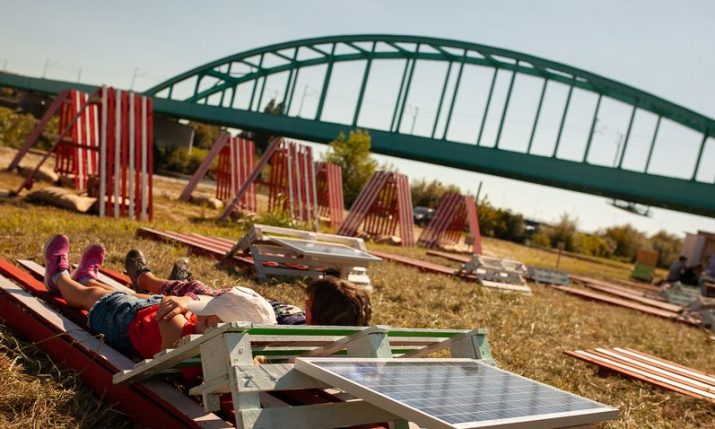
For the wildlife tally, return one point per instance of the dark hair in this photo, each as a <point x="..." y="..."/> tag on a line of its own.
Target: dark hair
<point x="338" y="302"/>
<point x="682" y="258"/>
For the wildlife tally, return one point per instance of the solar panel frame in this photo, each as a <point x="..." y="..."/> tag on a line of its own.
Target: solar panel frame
<point x="311" y="367"/>
<point x="353" y="254"/>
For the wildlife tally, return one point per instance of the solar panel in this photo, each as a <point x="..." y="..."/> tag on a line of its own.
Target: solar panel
<point x="455" y="393"/>
<point x="312" y="248"/>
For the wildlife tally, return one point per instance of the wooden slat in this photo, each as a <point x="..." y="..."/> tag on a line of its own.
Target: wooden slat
<point x="628" y="304"/>
<point x="585" y="279"/>
<point x="450" y="256"/>
<point x="416" y="263"/>
<point x="641" y="373"/>
<point x="634" y="296"/>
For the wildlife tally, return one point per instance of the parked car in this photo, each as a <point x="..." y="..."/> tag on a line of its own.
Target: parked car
<point x="422" y="215"/>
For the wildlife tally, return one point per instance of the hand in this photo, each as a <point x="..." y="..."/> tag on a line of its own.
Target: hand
<point x="171" y="306"/>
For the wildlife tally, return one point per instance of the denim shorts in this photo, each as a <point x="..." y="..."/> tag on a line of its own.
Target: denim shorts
<point x="112" y="314"/>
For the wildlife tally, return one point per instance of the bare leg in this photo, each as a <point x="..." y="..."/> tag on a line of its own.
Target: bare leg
<point x="97" y="283"/>
<point x="77" y="295"/>
<point x="151" y="282"/>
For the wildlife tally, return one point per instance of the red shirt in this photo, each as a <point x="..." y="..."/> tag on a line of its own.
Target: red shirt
<point x="144" y="331"/>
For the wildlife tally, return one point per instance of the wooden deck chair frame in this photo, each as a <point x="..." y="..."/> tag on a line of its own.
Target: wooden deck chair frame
<point x="227" y="360"/>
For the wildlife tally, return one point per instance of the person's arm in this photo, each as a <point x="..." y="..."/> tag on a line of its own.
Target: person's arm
<point x="170" y="330"/>
<point x="172" y="306"/>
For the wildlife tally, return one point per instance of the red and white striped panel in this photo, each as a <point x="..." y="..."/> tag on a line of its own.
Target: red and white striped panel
<point x="77" y="154"/>
<point x="363" y="202"/>
<point x="236" y="161"/>
<point x="125" y="155"/>
<point x="329" y="183"/>
<point x="292" y="183"/>
<point x="447" y="210"/>
<point x="383" y="203"/>
<point x="453" y="213"/>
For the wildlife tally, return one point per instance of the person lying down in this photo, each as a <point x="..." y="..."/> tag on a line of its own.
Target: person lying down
<point x="144" y="324"/>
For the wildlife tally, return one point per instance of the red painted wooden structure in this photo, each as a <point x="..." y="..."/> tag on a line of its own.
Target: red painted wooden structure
<point x="454" y="212"/>
<point x="236" y="160"/>
<point x="384" y="203"/>
<point x="76" y="157"/>
<point x="329" y="184"/>
<point x="116" y="150"/>
<point x="153" y="404"/>
<point x="651" y="369"/>
<point x="291" y="185"/>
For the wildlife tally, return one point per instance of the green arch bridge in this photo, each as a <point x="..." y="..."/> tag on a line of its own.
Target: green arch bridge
<point x="231" y="91"/>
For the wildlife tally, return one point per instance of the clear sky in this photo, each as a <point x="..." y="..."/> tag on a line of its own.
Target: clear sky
<point x="661" y="47"/>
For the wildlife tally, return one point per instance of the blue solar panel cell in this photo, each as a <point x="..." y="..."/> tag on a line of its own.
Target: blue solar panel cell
<point x="461" y="393"/>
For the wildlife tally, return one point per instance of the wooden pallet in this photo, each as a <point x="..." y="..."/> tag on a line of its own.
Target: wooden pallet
<point x="651" y="369"/>
<point x="628" y="303"/>
<point x="152" y="403"/>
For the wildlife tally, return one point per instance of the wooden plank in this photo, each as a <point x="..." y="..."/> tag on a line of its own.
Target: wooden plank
<point x="672" y="366"/>
<point x="322" y="416"/>
<point x="592" y="280"/>
<point x="634" y="296"/>
<point x="653" y="369"/>
<point x="415" y="263"/>
<point x="450" y="256"/>
<point x="641" y="374"/>
<point x="628" y="304"/>
<point x="150" y="367"/>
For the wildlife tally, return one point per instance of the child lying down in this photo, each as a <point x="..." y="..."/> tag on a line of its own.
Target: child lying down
<point x="144" y="324"/>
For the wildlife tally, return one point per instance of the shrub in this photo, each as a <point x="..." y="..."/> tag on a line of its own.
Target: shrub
<point x="540" y="239"/>
<point x="427" y="194"/>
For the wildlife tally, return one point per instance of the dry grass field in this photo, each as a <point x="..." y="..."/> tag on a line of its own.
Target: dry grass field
<point x="527" y="334"/>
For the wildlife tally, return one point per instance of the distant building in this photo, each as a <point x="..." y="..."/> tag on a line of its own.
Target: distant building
<point x="697" y="247"/>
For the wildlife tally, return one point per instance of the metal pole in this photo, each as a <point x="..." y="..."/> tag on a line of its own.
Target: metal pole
<point x="628" y="136"/>
<point x="441" y="98"/>
<point x="407" y="92"/>
<point x="486" y="108"/>
<point x="363" y="85"/>
<point x="255" y="84"/>
<point x="563" y="121"/>
<point x="593" y="129"/>
<point x="47" y="64"/>
<point x="292" y="91"/>
<point x="700" y="156"/>
<point x="506" y="106"/>
<point x="454" y="96"/>
<point x="408" y="63"/>
<point x="79" y="75"/>
<point x="536" y="118"/>
<point x="652" y="145"/>
<point x="326" y="84"/>
<point x="136" y="71"/>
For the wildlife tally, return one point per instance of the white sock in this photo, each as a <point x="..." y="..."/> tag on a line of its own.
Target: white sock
<point x="57" y="276"/>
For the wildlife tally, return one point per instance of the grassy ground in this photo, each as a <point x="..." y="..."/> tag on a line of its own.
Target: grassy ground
<point x="527" y="334"/>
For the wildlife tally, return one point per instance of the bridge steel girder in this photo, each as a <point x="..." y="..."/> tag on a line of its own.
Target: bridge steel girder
<point x="661" y="191"/>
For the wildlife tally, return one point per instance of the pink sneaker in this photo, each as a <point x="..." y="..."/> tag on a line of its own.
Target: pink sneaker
<point x="56" y="255"/>
<point x="92" y="259"/>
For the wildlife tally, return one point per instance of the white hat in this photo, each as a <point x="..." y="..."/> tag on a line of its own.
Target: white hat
<point x="238" y="304"/>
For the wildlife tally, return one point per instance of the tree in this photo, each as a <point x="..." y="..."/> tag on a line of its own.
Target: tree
<point x="427" y="194"/>
<point x="564" y="231"/>
<point x="352" y="154"/>
<point x="627" y="240"/>
<point x="668" y="247"/>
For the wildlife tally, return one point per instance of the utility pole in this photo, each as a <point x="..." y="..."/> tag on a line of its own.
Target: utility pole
<point x="4" y="65"/>
<point x="47" y="64"/>
<point x="134" y="78"/>
<point x="414" y="119"/>
<point x="302" y="99"/>
<point x="79" y="74"/>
